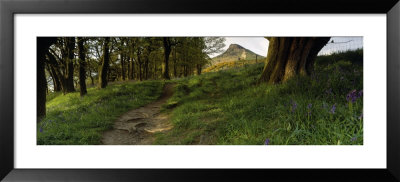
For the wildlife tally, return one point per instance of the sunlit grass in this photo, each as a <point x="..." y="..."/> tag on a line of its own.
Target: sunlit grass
<point x="229" y="107"/>
<point x="76" y="120"/>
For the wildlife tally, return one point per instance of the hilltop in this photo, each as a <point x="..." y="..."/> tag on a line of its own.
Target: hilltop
<point x="235" y="52"/>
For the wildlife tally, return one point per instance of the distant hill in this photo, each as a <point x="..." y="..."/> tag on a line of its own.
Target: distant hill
<point x="235" y="52"/>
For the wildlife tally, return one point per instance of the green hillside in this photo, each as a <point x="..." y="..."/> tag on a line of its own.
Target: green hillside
<point x="235" y="52"/>
<point x="226" y="107"/>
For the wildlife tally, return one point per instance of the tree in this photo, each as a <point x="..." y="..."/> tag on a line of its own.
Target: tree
<point x="105" y="64"/>
<point x="69" y="59"/>
<point x="82" y="66"/>
<point x="167" y="50"/>
<point x="54" y="76"/>
<point x="290" y="56"/>
<point x="42" y="46"/>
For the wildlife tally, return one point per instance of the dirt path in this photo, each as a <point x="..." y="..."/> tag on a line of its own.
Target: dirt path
<point x="137" y="126"/>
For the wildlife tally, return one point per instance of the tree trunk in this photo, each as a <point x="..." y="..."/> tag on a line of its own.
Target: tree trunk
<point x="82" y="66"/>
<point x="175" y="62"/>
<point x="131" y="69"/>
<point x="56" y="79"/>
<point x="155" y="70"/>
<point x="140" y="71"/>
<point x="69" y="87"/>
<point x="91" y="77"/>
<point x="198" y="69"/>
<point x="122" y="67"/>
<point x="43" y="44"/>
<point x="105" y="64"/>
<point x="146" y="68"/>
<point x="55" y="67"/>
<point x="167" y="51"/>
<point x="290" y="56"/>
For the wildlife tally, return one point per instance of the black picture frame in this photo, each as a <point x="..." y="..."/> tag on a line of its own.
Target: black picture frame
<point x="8" y="8"/>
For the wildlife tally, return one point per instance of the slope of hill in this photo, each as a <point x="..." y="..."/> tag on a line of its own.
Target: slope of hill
<point x="234" y="53"/>
<point x="231" y="64"/>
<point x="229" y="107"/>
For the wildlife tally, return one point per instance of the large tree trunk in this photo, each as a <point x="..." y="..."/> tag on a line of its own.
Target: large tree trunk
<point x="69" y="87"/>
<point x="43" y="44"/>
<point x="105" y="64"/>
<point x="167" y="51"/>
<point x="82" y="67"/>
<point x="290" y="56"/>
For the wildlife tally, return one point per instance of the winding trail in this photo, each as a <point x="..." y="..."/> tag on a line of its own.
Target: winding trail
<point x="137" y="127"/>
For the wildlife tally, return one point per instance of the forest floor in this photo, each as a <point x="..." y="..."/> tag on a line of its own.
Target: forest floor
<point x="137" y="127"/>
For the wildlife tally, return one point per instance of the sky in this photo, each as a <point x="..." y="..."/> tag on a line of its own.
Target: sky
<point x="259" y="45"/>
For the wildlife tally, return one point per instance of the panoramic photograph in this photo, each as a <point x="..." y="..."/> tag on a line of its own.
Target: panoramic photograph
<point x="199" y="90"/>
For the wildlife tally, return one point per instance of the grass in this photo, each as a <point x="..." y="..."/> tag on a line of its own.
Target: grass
<point x="75" y="120"/>
<point x="231" y="64"/>
<point x="226" y="107"/>
<point x="229" y="107"/>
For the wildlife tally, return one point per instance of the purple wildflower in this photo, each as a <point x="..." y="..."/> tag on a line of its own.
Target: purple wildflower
<point x="266" y="141"/>
<point x="353" y="139"/>
<point x="360" y="93"/>
<point x="41" y="130"/>
<point x="352" y="96"/>
<point x="333" y="109"/>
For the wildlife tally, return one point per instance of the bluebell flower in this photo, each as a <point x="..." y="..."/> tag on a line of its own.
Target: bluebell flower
<point x="353" y="139"/>
<point x="352" y="96"/>
<point x="41" y="130"/>
<point x="333" y="109"/>
<point x="266" y="141"/>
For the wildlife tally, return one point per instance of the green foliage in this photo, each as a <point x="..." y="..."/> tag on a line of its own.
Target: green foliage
<point x="75" y="120"/>
<point x="228" y="107"/>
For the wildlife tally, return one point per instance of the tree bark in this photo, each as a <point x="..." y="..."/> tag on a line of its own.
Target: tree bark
<point x="199" y="67"/>
<point x="82" y="66"/>
<point x="175" y="62"/>
<point x="139" y="61"/>
<point x="290" y="56"/>
<point x="131" y="69"/>
<point x="146" y="66"/>
<point x="69" y="87"/>
<point x="55" y="67"/>
<point x="56" y="79"/>
<point x="167" y="51"/>
<point x="155" y="70"/>
<point x="43" y="44"/>
<point x="105" y="64"/>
